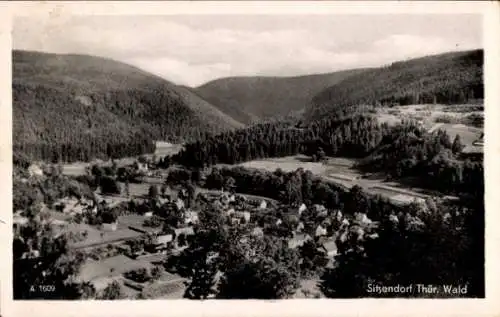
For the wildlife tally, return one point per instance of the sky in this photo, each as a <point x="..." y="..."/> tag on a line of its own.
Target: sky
<point x="194" y="49"/>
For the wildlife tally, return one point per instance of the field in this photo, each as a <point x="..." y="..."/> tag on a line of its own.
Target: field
<point x="429" y="115"/>
<point x="165" y="148"/>
<point x="135" y="221"/>
<point x="247" y="196"/>
<point x="103" y="272"/>
<point x="110" y="267"/>
<point x="341" y="171"/>
<point x="96" y="237"/>
<point x="162" y="149"/>
<point x="287" y="164"/>
<point x="467" y="134"/>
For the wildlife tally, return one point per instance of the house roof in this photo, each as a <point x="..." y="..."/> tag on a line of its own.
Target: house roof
<point x="164" y="239"/>
<point x="330" y="245"/>
<point x="186" y="231"/>
<point x="257" y="231"/>
<point x="298" y="240"/>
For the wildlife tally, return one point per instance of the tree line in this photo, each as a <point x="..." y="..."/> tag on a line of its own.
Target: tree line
<point x="53" y="124"/>
<point x="451" y="78"/>
<point x="402" y="150"/>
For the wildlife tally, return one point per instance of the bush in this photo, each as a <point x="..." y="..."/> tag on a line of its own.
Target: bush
<point x="474" y="119"/>
<point x="153" y="222"/>
<point x="445" y="119"/>
<point x="141" y="275"/>
<point x="153" y="192"/>
<point x="109" y="186"/>
<point x="156" y="272"/>
<point x="88" y="180"/>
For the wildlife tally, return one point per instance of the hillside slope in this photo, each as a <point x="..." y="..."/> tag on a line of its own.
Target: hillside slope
<point x="95" y="105"/>
<point x="251" y="99"/>
<point x="446" y="78"/>
<point x="209" y="111"/>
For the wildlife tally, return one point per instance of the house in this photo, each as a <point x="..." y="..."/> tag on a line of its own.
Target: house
<point x="320" y="210"/>
<point x="179" y="203"/>
<point x="70" y="205"/>
<point x="141" y="167"/>
<point x="186" y="232"/>
<point x="160" y="201"/>
<point x="92" y="209"/>
<point x="240" y="217"/>
<point x="58" y="223"/>
<point x="393" y="218"/>
<point x="300" y="227"/>
<point x="362" y="218"/>
<point x="160" y="243"/>
<point x="302" y="208"/>
<point x="258" y="232"/>
<point x="110" y="226"/>
<point x="244" y="215"/>
<point x="298" y="240"/>
<point x="337" y="214"/>
<point x="86" y="202"/>
<point x="148" y="214"/>
<point x="320" y="231"/>
<point x="35" y="170"/>
<point x="32" y="254"/>
<point x="230" y="211"/>
<point x="191" y="217"/>
<point x="20" y="220"/>
<point x="279" y="222"/>
<point x="183" y="193"/>
<point x="240" y="199"/>
<point x="330" y="248"/>
<point x="263" y="204"/>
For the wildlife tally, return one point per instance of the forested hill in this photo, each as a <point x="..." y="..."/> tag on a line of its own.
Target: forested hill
<point x="76" y="107"/>
<point x="253" y="99"/>
<point x="446" y="78"/>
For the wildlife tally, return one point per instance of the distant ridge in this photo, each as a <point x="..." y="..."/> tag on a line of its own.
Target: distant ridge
<point x="253" y="99"/>
<point x="447" y="78"/>
<point x="82" y="100"/>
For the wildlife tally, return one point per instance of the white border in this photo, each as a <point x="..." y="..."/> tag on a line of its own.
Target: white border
<point x="372" y="307"/>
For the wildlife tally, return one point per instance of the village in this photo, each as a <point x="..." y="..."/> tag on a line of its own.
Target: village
<point x="127" y="237"/>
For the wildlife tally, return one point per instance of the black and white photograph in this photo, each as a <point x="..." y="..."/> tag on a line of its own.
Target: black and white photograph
<point x="248" y="156"/>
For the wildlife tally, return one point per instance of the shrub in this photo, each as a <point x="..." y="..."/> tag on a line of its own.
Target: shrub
<point x="156" y="272"/>
<point x="445" y="119"/>
<point x="153" y="222"/>
<point x="109" y="185"/>
<point x="141" y="275"/>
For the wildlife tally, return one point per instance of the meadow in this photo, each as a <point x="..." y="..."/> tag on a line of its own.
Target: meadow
<point x="341" y="171"/>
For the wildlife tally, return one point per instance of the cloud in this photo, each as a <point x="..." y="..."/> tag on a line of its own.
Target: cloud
<point x="194" y="50"/>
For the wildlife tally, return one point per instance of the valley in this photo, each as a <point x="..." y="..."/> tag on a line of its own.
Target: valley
<point x="260" y="188"/>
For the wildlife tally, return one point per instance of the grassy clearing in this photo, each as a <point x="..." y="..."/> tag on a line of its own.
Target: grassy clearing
<point x="95" y="236"/>
<point x="467" y="134"/>
<point x="174" y="290"/>
<point x="247" y="196"/>
<point x="340" y="171"/>
<point x="287" y="164"/>
<point x="111" y="267"/>
<point x="165" y="148"/>
<point x="162" y="149"/>
<point x="136" y="221"/>
<point x="429" y="115"/>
